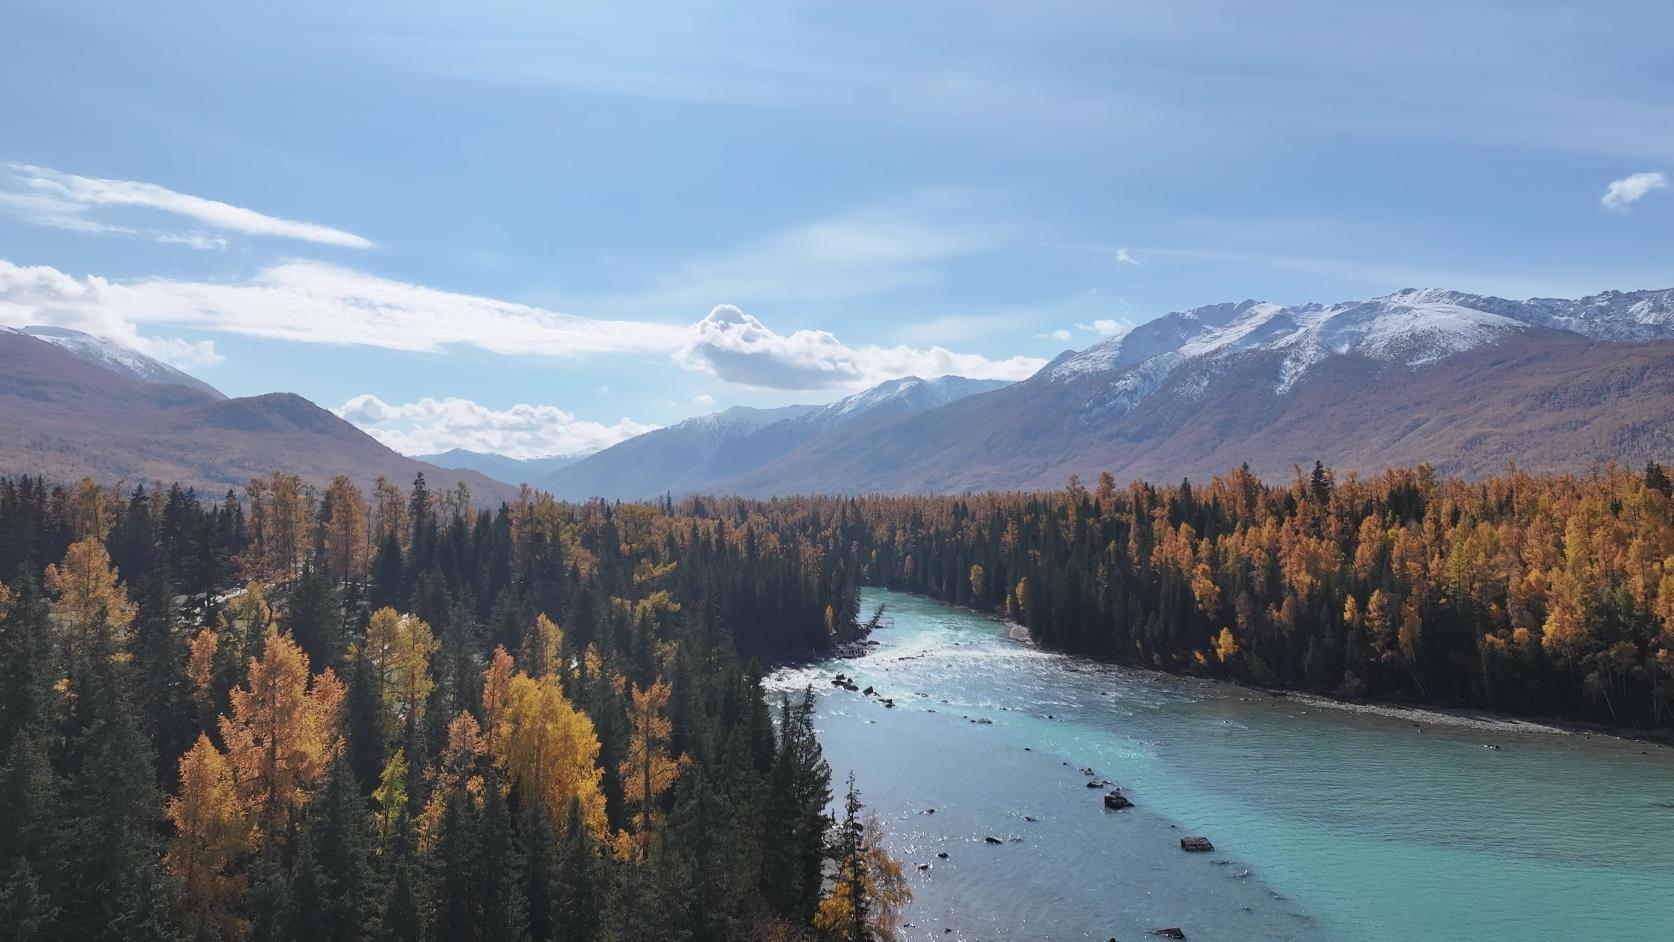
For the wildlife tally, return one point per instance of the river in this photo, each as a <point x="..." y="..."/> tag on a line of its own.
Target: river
<point x="1327" y="823"/>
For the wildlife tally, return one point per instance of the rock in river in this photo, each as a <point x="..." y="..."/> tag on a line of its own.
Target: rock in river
<point x="1198" y="845"/>
<point x="1116" y="801"/>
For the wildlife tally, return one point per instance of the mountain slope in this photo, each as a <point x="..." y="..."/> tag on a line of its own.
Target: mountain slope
<point x="1463" y="382"/>
<point x="513" y="471"/>
<point x="118" y="359"/>
<point x="698" y="454"/>
<point x="67" y="417"/>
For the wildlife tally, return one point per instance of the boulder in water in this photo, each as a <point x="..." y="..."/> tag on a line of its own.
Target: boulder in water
<point x="1197" y="845"/>
<point x="1173" y="932"/>
<point x="1116" y="801"/>
<point x="991" y="839"/>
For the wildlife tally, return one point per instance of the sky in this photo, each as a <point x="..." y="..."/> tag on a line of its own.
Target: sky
<point x="539" y="228"/>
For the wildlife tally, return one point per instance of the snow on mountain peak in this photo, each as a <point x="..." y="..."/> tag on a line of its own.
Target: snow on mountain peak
<point x="1412" y="327"/>
<point x="117" y="358"/>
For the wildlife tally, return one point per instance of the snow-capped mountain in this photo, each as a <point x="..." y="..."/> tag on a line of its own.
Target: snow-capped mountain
<point x="1411" y="328"/>
<point x="1464" y="382"/>
<point x="117" y="358"/>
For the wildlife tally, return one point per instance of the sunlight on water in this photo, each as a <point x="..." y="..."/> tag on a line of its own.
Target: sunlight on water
<point x="1327" y="823"/>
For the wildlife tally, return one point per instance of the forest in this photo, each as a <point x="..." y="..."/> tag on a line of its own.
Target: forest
<point x="296" y="713"/>
<point x="290" y="714"/>
<point x="1535" y="594"/>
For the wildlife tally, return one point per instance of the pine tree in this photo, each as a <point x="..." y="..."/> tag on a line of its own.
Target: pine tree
<point x="114" y="811"/>
<point x="795" y="819"/>
<point x="583" y="881"/>
<point x="335" y="858"/>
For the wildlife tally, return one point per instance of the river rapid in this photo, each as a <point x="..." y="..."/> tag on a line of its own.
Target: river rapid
<point x="1328" y="823"/>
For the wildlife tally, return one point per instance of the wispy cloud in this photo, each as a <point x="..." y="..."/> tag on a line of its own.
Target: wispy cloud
<point x="1123" y="257"/>
<point x="871" y="250"/>
<point x="1632" y="188"/>
<point x="739" y="348"/>
<point x="310" y="302"/>
<point x="64" y="200"/>
<point x="1105" y="327"/>
<point x="521" y="431"/>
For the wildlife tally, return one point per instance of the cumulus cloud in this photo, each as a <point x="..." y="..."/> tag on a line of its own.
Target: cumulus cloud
<point x="1630" y="189"/>
<point x="1061" y="335"/>
<point x="1124" y="258"/>
<point x="738" y="348"/>
<point x="429" y="426"/>
<point x="67" y="201"/>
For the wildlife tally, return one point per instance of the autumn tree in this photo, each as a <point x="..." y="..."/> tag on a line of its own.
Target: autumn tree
<point x="549" y="750"/>
<point x="346" y="530"/>
<point x="282" y="733"/>
<point x="870" y="888"/>
<point x="89" y="592"/>
<point x="211" y="833"/>
<point x="649" y="771"/>
<point x="397" y="651"/>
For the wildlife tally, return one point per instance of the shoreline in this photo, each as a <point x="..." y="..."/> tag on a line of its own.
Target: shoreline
<point x="1458" y="717"/>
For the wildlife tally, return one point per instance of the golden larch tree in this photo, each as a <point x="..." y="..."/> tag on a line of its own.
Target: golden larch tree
<point x="397" y="650"/>
<point x="282" y="733"/>
<point x="550" y="750"/>
<point x="211" y="831"/>
<point x="88" y="589"/>
<point x="649" y="771"/>
<point x="347" y="531"/>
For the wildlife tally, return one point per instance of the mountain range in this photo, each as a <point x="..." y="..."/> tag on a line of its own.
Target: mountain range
<point x="1467" y="383"/>
<point x="73" y="406"/>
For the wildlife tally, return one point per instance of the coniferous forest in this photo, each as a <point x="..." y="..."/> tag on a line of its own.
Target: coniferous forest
<point x="333" y="716"/>
<point x="292" y="713"/>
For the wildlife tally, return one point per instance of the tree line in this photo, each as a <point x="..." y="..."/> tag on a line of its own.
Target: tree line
<point x="1540" y="594"/>
<point x="323" y="714"/>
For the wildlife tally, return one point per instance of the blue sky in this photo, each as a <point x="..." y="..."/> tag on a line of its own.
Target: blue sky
<point x="541" y="227"/>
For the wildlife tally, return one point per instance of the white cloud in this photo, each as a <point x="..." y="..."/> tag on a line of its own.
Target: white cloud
<point x="738" y="348"/>
<point x="67" y="201"/>
<point x="1124" y="258"/>
<point x="1107" y="327"/>
<point x="1630" y="189"/>
<point x="890" y="246"/>
<point x="429" y="426"/>
<point x="310" y="302"/>
<point x="703" y="399"/>
<point x="1061" y="335"/>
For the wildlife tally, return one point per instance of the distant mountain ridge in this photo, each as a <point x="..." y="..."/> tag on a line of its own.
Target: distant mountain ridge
<point x="71" y="410"/>
<point x="701" y="453"/>
<point x="513" y="471"/>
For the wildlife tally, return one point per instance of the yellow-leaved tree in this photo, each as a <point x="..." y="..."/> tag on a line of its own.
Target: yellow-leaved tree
<point x="88" y="589"/>
<point x="210" y="832"/>
<point x="649" y="771"/>
<point x="282" y="734"/>
<point x="549" y="750"/>
<point x="397" y="651"/>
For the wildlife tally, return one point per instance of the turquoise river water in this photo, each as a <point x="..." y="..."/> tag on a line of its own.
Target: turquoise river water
<point x="1328" y="823"/>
